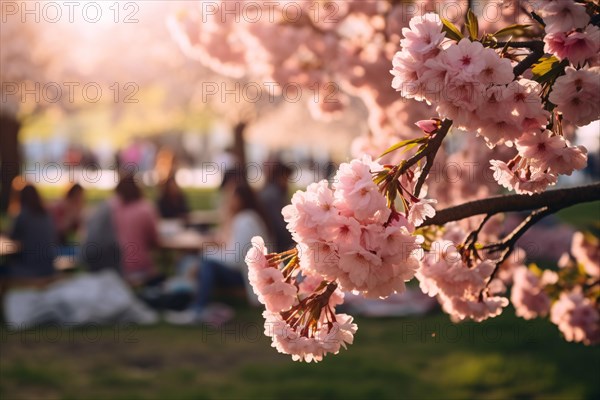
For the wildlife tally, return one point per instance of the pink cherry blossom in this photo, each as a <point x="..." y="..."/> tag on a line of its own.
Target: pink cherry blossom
<point x="577" y="317"/>
<point x="503" y="174"/>
<point x="523" y="180"/>
<point x="569" y="159"/>
<point x="308" y="339"/>
<point x="465" y="58"/>
<point x="578" y="47"/>
<point x="406" y="75"/>
<point x="564" y="15"/>
<point x="458" y="286"/>
<point x="272" y="290"/>
<point x="496" y="70"/>
<point x="355" y="192"/>
<point x="542" y="148"/>
<point x="420" y="211"/>
<point x="256" y="256"/>
<point x="267" y="280"/>
<point x="536" y="183"/>
<point x="428" y="126"/>
<point x="527" y="294"/>
<point x="424" y="36"/>
<point x="577" y="95"/>
<point x="586" y="251"/>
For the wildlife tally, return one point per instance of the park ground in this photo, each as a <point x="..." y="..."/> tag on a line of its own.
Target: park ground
<point x="427" y="357"/>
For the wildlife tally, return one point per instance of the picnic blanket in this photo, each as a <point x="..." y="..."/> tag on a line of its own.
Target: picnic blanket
<point x="93" y="298"/>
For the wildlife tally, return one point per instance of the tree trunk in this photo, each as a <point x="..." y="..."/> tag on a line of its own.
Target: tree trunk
<point x="10" y="156"/>
<point x="239" y="144"/>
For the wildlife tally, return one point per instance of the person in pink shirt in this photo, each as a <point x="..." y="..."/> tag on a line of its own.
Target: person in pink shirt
<point x="135" y="223"/>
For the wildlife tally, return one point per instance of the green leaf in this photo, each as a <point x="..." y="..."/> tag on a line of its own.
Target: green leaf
<point x="544" y="66"/>
<point x="472" y="25"/>
<point x="404" y="143"/>
<point x="451" y="30"/>
<point x="408" y="147"/>
<point x="380" y="177"/>
<point x="535" y="269"/>
<point x="508" y="30"/>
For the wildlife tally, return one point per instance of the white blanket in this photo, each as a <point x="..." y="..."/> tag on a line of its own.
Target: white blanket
<point x="96" y="298"/>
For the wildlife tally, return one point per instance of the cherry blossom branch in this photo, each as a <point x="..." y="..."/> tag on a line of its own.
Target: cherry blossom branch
<point x="531" y="44"/>
<point x="510" y="240"/>
<point x="558" y="199"/>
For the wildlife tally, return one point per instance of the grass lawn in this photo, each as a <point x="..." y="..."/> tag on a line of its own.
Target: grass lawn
<point x="427" y="357"/>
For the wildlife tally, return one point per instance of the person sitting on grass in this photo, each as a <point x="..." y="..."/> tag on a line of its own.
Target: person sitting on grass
<point x="68" y="213"/>
<point x="135" y="223"/>
<point x="222" y="265"/>
<point x="34" y="230"/>
<point x="172" y="202"/>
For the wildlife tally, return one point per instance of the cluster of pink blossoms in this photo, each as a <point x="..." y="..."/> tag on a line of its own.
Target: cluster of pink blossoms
<point x="541" y="157"/>
<point x="459" y="282"/>
<point x="577" y="310"/>
<point x="475" y="87"/>
<point x="348" y="233"/>
<point x="567" y="295"/>
<point x="467" y="82"/>
<point x="299" y="309"/>
<point x="577" y="317"/>
<point x="568" y="34"/>
<point x="571" y="36"/>
<point x="528" y="296"/>
<point x="348" y="240"/>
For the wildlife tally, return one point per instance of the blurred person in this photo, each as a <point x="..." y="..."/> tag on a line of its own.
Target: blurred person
<point x="34" y="230"/>
<point x="274" y="196"/>
<point x="135" y="224"/>
<point x="14" y="203"/>
<point x="67" y="213"/>
<point x="172" y="202"/>
<point x="223" y="266"/>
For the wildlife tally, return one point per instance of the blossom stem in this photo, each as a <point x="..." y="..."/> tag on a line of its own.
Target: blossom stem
<point x="471" y="240"/>
<point x="429" y="153"/>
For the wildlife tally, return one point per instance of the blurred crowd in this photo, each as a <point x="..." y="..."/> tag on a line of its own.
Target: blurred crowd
<point x="122" y="234"/>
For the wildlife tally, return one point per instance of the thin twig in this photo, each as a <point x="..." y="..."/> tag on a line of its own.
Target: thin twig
<point x="532" y="44"/>
<point x="472" y="238"/>
<point x="506" y="246"/>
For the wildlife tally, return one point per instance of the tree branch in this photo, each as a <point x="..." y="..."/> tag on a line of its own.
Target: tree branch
<point x="537" y="50"/>
<point x="532" y="44"/>
<point x="557" y="199"/>
<point x="430" y="152"/>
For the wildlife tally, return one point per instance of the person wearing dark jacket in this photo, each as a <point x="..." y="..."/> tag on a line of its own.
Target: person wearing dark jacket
<point x="34" y="230"/>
